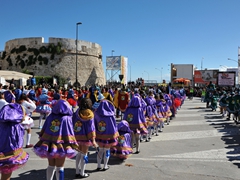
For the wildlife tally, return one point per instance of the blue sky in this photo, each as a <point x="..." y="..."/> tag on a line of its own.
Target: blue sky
<point x="151" y="33"/>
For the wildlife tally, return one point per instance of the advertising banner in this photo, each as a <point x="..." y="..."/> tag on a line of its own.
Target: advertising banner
<point x="124" y="68"/>
<point x="113" y="63"/>
<point x="205" y="76"/>
<point x="226" y="79"/>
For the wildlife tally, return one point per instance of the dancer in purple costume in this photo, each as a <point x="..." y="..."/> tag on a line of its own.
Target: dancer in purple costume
<point x="124" y="147"/>
<point x="44" y="107"/>
<point x="9" y="96"/>
<point x="106" y="131"/>
<point x="151" y="114"/>
<point x="167" y="105"/>
<point x="134" y="114"/>
<point x="161" y="113"/>
<point x="85" y="133"/>
<point x="56" y="97"/>
<point x="169" y="102"/>
<point x="12" y="155"/>
<point x="57" y="139"/>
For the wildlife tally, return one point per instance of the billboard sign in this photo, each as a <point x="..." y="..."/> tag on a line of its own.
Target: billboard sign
<point x="113" y="62"/>
<point x="226" y="78"/>
<point x="124" y="68"/>
<point x="205" y="76"/>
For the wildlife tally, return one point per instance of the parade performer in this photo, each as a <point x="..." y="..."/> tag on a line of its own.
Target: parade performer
<point x="97" y="103"/>
<point x="17" y="92"/>
<point x="237" y="106"/>
<point x="169" y="107"/>
<point x="123" y="100"/>
<point x="223" y="104"/>
<point x="161" y="113"/>
<point x="56" y="97"/>
<point x="44" y="107"/>
<point x="93" y="93"/>
<point x="85" y="133"/>
<point x="107" y="94"/>
<point x="134" y="115"/>
<point x="151" y="114"/>
<point x="115" y="102"/>
<point x="57" y="140"/>
<point x="124" y="147"/>
<point x="3" y="102"/>
<point x="209" y="93"/>
<point x="12" y="155"/>
<point x="167" y="111"/>
<point x="9" y="96"/>
<point x="32" y="94"/>
<point x="214" y="101"/>
<point x="106" y="132"/>
<point x="71" y="99"/>
<point x="230" y="105"/>
<point x="29" y="107"/>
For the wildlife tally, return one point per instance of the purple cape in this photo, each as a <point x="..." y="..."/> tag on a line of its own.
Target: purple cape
<point x="84" y="129"/>
<point x="12" y="155"/>
<point x="57" y="138"/>
<point x="105" y="123"/>
<point x="134" y="114"/>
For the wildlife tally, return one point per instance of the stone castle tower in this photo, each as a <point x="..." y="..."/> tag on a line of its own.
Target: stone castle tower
<point x="58" y="57"/>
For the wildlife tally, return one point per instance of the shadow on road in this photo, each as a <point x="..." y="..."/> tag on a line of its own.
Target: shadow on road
<point x="230" y="137"/>
<point x="41" y="174"/>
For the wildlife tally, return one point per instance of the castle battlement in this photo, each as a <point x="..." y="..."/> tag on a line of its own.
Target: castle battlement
<point x="55" y="57"/>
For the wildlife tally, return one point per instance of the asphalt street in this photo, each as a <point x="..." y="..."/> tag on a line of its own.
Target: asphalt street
<point x="197" y="145"/>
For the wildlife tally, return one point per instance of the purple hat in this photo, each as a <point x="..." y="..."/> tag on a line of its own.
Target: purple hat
<point x="62" y="107"/>
<point x="12" y="112"/>
<point x="124" y="126"/>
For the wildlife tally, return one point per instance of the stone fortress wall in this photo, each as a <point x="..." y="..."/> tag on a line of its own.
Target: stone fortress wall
<point x="57" y="57"/>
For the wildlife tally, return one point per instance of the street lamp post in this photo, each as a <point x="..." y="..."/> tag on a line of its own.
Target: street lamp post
<point x="76" y="83"/>
<point x="112" y="66"/>
<point x="238" y="63"/>
<point x="232" y="60"/>
<point x="130" y="71"/>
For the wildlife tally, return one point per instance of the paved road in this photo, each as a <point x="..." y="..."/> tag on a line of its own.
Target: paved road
<point x="197" y="145"/>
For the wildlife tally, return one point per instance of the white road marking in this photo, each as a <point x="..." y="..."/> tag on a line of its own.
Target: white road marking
<point x="195" y="134"/>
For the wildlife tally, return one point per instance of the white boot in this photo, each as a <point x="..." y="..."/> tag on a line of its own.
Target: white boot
<point x="50" y="172"/>
<point x="60" y="173"/>
<point x="84" y="161"/>
<point x="99" y="158"/>
<point x="106" y="159"/>
<point x="77" y="162"/>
